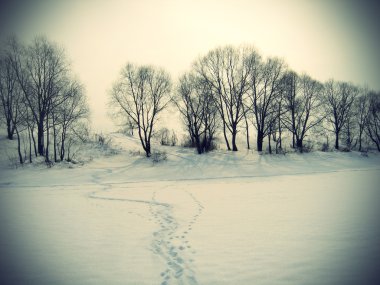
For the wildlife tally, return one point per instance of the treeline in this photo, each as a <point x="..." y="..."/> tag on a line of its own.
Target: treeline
<point x="227" y="91"/>
<point x="43" y="104"/>
<point x="234" y="88"/>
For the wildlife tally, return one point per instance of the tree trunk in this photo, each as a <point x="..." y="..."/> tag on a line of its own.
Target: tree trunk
<point x="40" y="137"/>
<point x="198" y="144"/>
<point x="247" y="130"/>
<point x="225" y="136"/>
<point x="62" y="151"/>
<point x="336" y="140"/>
<point x="248" y="146"/>
<point x="279" y="128"/>
<point x="19" y="147"/>
<point x="260" y="138"/>
<point x="10" y="130"/>
<point x="68" y="153"/>
<point x="55" y="141"/>
<point x="30" y="144"/>
<point x="269" y="144"/>
<point x="47" y="159"/>
<point x="293" y="141"/>
<point x="147" y="148"/>
<point x="34" y="141"/>
<point x="300" y="144"/>
<point x="234" y="147"/>
<point x="148" y="151"/>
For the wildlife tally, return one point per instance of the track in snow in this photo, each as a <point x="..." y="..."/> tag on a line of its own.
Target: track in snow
<point x="170" y="241"/>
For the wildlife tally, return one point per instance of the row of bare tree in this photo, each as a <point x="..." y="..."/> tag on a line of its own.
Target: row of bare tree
<point x="40" y="97"/>
<point x="233" y="88"/>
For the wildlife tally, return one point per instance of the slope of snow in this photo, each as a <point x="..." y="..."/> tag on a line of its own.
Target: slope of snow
<point x="221" y="218"/>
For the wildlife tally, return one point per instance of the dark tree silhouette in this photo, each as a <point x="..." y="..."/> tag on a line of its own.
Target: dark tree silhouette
<point x="72" y="110"/>
<point x="302" y="102"/>
<point x="195" y="101"/>
<point x="265" y="89"/>
<point x="36" y="89"/>
<point x="373" y="119"/>
<point x="9" y="94"/>
<point x="362" y="111"/>
<point x="339" y="99"/>
<point x="41" y="70"/>
<point x="227" y="71"/>
<point x="142" y="92"/>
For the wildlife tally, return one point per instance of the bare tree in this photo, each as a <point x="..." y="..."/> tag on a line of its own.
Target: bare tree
<point x="142" y="93"/>
<point x="9" y="94"/>
<point x="362" y="112"/>
<point x="40" y="67"/>
<point x="130" y="126"/>
<point x="67" y="114"/>
<point x="227" y="71"/>
<point x="265" y="89"/>
<point x="339" y="99"/>
<point x="189" y="103"/>
<point x="349" y="130"/>
<point x="302" y="102"/>
<point x="246" y="111"/>
<point x="373" y="119"/>
<point x="276" y="123"/>
<point x="195" y="101"/>
<point x="42" y="90"/>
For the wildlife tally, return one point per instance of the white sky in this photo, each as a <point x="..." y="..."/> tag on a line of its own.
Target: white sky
<point x="326" y="39"/>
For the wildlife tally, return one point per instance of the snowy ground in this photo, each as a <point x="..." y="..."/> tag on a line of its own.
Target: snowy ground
<point x="221" y="218"/>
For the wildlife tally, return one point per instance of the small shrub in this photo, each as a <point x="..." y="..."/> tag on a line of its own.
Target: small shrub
<point x="103" y="140"/>
<point x="282" y="150"/>
<point x="307" y="147"/>
<point x="187" y="142"/>
<point x="212" y="146"/>
<point x="166" y="137"/>
<point x="135" y="153"/>
<point x="174" y="139"/>
<point x="158" y="156"/>
<point x="14" y="161"/>
<point x="325" y="147"/>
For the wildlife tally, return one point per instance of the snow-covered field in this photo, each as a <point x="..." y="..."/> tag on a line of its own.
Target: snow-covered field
<point x="220" y="218"/>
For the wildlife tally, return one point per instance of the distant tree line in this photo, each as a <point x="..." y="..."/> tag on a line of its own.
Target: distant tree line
<point x="40" y="98"/>
<point x="232" y="88"/>
<point x="226" y="91"/>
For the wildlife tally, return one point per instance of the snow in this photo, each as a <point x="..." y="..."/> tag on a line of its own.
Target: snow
<point x="220" y="218"/>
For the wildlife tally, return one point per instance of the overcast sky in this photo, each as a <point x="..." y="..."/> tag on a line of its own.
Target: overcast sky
<point x="326" y="39"/>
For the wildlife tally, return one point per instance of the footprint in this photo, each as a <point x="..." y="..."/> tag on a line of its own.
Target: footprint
<point x="179" y="273"/>
<point x="192" y="280"/>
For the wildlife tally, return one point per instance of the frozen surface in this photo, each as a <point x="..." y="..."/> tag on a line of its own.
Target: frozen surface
<point x="222" y="218"/>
